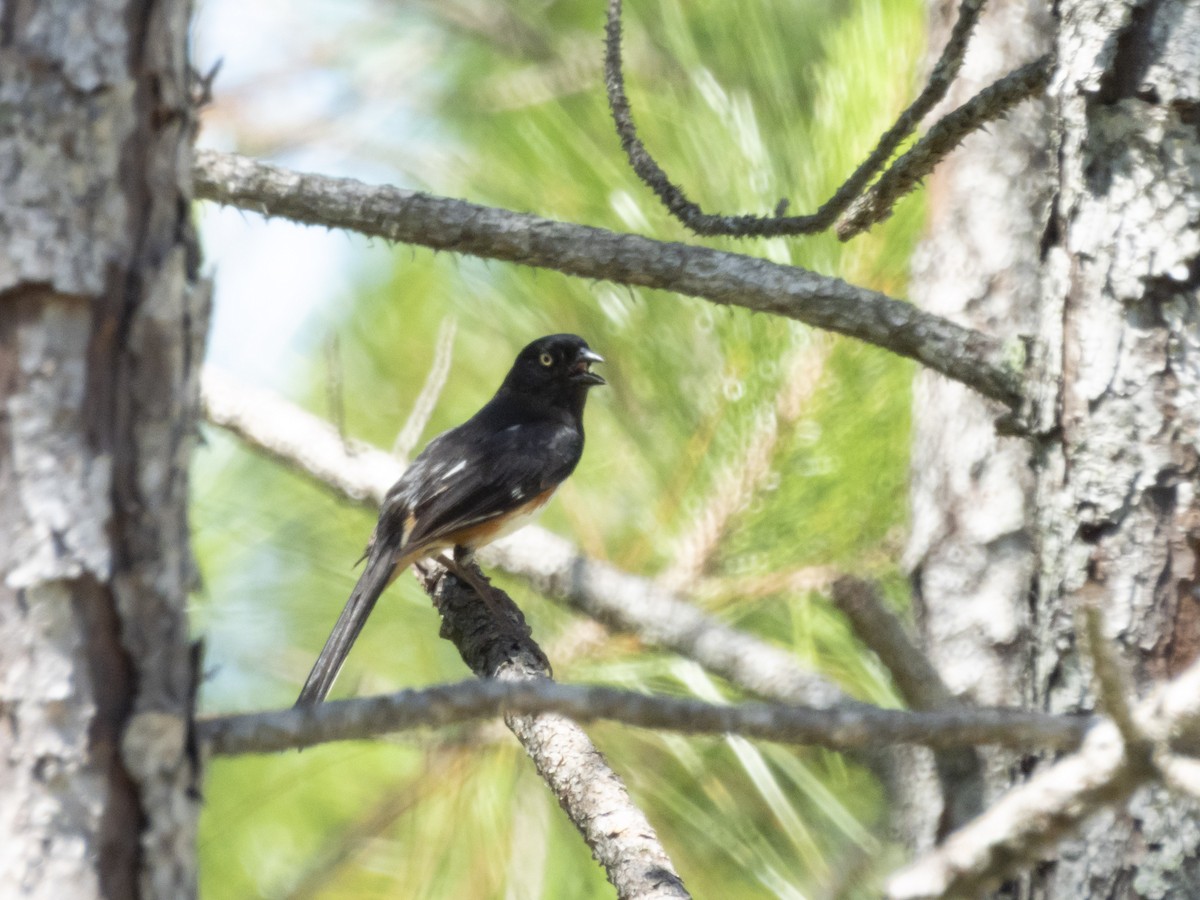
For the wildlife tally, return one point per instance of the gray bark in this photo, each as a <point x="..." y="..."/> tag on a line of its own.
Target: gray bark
<point x="102" y="318"/>
<point x="1008" y="540"/>
<point x="970" y="548"/>
<point x="1118" y="516"/>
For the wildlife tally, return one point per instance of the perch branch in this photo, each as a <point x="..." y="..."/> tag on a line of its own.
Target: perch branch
<point x="971" y="357"/>
<point x="589" y="791"/>
<point x="691" y="215"/>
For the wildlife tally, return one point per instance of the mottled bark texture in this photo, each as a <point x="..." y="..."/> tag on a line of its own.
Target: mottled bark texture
<point x="1087" y="234"/>
<point x="586" y="787"/>
<point x="1118" y="514"/>
<point x="970" y="549"/>
<point x="101" y="323"/>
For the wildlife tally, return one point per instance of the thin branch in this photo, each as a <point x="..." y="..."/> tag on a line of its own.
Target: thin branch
<point x="878" y="627"/>
<point x="550" y="564"/>
<point x="589" y="791"/>
<point x="691" y="215"/>
<point x="976" y="359"/>
<point x="859" y="728"/>
<point x="1027" y="821"/>
<point x="993" y="102"/>
<point x="1108" y="680"/>
<point x="960" y="770"/>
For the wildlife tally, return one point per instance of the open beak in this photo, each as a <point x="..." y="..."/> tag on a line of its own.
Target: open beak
<point x="581" y="371"/>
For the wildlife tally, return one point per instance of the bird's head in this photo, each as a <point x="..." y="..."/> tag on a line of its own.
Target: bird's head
<point x="556" y="367"/>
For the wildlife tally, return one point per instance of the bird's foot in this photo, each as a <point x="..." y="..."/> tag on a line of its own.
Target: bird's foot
<point x="461" y="568"/>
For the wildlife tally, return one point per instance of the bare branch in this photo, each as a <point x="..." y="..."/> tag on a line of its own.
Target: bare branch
<point x="1031" y="818"/>
<point x="589" y="791"/>
<point x="298" y="439"/>
<point x="959" y="770"/>
<point x="1110" y="683"/>
<point x="859" y="728"/>
<point x="992" y="103"/>
<point x="691" y="215"/>
<point x="877" y="627"/>
<point x="976" y="359"/>
<point x="550" y="564"/>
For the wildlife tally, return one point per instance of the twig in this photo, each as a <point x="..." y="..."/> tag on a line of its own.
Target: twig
<point x="427" y="399"/>
<point x="589" y="791"/>
<point x="1109" y="681"/>
<point x="960" y="770"/>
<point x="549" y="563"/>
<point x="1031" y="818"/>
<point x="876" y="626"/>
<point x="976" y="359"/>
<point x="859" y="728"/>
<point x="992" y="103"/>
<point x="691" y="215"/>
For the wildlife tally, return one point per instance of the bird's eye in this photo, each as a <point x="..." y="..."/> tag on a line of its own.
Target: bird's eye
<point x="546" y="359"/>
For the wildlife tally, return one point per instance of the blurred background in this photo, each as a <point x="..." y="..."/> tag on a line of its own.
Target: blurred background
<point x="740" y="458"/>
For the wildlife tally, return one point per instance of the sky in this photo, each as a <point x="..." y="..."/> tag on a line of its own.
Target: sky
<point x="272" y="279"/>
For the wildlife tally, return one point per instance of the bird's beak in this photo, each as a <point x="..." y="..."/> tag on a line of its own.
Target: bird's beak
<point x="581" y="373"/>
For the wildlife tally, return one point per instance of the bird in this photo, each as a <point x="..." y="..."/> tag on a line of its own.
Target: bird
<point x="473" y="484"/>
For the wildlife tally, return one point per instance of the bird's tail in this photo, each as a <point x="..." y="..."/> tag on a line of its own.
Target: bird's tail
<point x="379" y="573"/>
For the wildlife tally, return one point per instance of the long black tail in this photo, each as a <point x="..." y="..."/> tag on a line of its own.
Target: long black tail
<point x="375" y="577"/>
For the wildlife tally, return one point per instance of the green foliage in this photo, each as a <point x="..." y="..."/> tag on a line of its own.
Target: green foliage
<point x="743" y="104"/>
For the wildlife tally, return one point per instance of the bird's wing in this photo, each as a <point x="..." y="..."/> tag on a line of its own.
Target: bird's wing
<point x="462" y="479"/>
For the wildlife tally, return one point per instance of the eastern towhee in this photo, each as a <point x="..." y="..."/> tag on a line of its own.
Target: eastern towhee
<point x="474" y="483"/>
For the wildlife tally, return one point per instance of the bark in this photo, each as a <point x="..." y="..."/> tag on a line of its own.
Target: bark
<point x="589" y="791"/>
<point x="1118" y="518"/>
<point x="970" y="549"/>
<point x="1008" y="544"/>
<point x="102" y="319"/>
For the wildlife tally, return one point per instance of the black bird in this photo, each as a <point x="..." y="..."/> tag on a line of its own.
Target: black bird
<point x="474" y="483"/>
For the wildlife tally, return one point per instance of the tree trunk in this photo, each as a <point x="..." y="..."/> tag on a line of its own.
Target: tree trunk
<point x="1009" y="540"/>
<point x="102" y="318"/>
<point x="1119" y="517"/>
<point x="970" y="551"/>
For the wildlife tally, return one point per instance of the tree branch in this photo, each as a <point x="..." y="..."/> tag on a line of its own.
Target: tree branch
<point x="691" y="215"/>
<point x="589" y="791"/>
<point x="971" y="357"/>
<point x="876" y="626"/>
<point x="960" y="770"/>
<point x="992" y="103"/>
<point x="858" y="728"/>
<point x="1031" y="818"/>
<point x="550" y="564"/>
